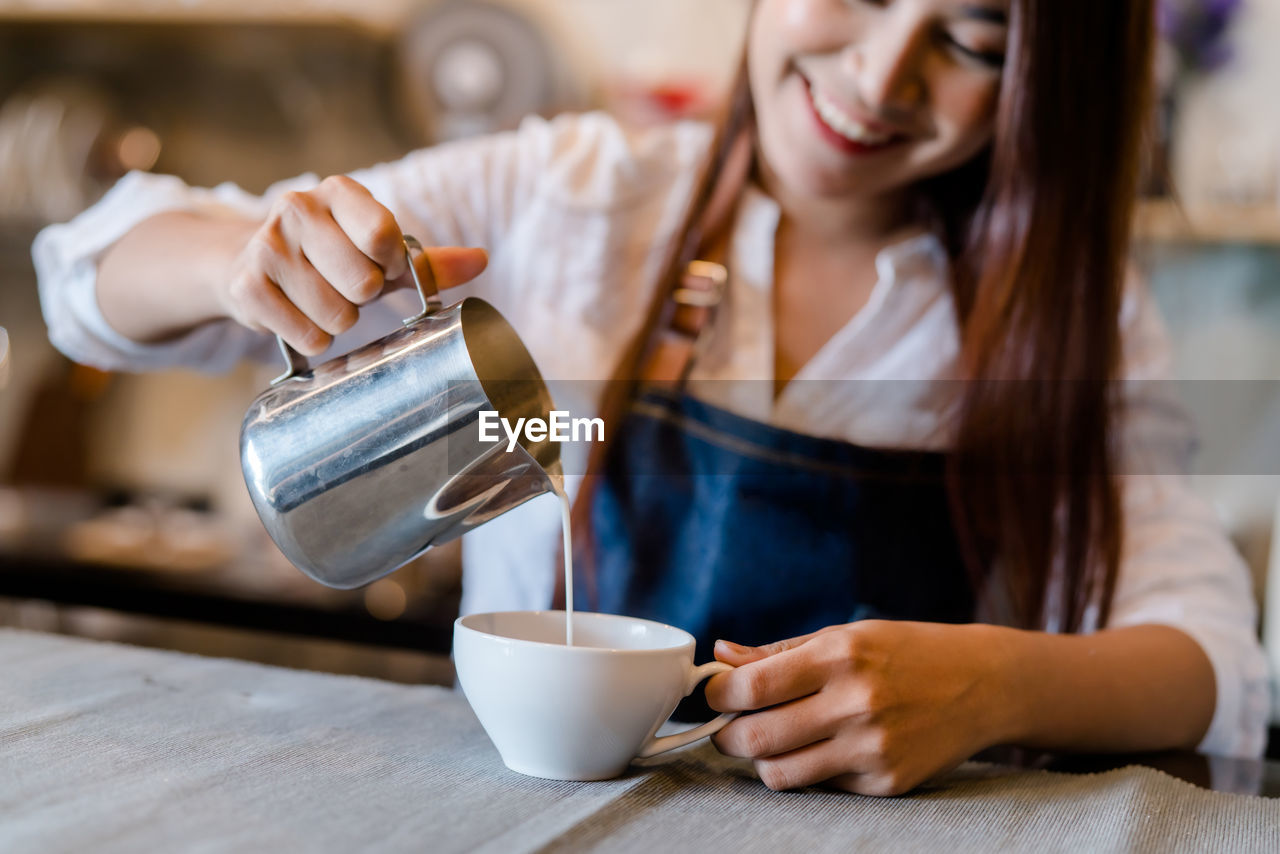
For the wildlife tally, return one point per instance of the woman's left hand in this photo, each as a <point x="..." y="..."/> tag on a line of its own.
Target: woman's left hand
<point x="875" y="707"/>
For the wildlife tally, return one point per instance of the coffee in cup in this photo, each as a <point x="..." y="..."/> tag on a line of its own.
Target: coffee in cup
<point x="580" y="712"/>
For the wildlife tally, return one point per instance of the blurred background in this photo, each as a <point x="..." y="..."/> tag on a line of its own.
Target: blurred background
<point x="122" y="511"/>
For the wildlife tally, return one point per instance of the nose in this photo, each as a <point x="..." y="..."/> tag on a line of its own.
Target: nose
<point x="887" y="66"/>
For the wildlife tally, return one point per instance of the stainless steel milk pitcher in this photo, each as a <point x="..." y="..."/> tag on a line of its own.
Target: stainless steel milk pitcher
<point x="360" y="464"/>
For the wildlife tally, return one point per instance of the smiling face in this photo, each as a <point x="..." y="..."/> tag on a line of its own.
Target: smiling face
<point x="863" y="98"/>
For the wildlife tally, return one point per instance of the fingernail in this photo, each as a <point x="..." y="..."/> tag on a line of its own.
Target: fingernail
<point x="731" y="647"/>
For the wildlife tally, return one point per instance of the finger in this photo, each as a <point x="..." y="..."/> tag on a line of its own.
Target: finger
<point x="446" y="266"/>
<point x="269" y="309"/>
<point x="737" y="654"/>
<point x="780" y="729"/>
<point x="806" y="766"/>
<point x="315" y="297"/>
<point x="877" y="784"/>
<point x="872" y="765"/>
<point x="368" y="225"/>
<point x="339" y="262"/>
<point x="767" y="682"/>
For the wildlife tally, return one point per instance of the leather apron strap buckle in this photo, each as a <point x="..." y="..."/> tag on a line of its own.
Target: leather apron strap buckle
<point x="703" y="285"/>
<point x="681" y="340"/>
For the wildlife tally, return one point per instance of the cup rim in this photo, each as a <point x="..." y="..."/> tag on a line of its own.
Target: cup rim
<point x="689" y="642"/>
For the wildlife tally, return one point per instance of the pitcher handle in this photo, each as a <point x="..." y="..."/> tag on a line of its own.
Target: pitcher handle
<point x="662" y="744"/>
<point x="296" y="363"/>
<point x="428" y="291"/>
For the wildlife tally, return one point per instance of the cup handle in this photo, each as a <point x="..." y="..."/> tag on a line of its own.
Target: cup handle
<point x="427" y="291"/>
<point x="662" y="744"/>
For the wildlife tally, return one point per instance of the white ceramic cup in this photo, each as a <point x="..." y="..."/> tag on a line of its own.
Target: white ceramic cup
<point x="580" y="712"/>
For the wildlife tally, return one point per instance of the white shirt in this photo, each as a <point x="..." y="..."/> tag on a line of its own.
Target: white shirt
<point x="577" y="213"/>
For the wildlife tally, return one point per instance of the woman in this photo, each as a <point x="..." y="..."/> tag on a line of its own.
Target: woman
<point x="921" y="503"/>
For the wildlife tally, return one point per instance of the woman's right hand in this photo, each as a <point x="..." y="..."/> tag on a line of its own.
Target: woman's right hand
<point x="321" y="254"/>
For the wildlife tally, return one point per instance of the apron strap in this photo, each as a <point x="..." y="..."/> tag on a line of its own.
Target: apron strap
<point x="680" y="336"/>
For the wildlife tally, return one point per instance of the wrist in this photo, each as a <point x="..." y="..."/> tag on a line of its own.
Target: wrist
<point x="1005" y="712"/>
<point x="215" y="262"/>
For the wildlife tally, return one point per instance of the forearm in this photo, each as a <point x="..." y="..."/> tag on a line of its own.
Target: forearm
<point x="1132" y="689"/>
<point x="165" y="275"/>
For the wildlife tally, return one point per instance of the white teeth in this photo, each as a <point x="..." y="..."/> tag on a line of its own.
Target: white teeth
<point x="846" y="126"/>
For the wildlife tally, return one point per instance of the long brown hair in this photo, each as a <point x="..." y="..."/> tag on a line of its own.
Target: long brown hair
<point x="1037" y="232"/>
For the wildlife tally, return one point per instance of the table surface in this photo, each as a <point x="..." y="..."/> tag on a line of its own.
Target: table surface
<point x="105" y="747"/>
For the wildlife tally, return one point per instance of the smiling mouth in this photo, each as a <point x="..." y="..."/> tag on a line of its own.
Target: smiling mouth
<point x="847" y="133"/>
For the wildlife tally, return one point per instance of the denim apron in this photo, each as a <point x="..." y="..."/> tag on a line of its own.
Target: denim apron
<point x="732" y="528"/>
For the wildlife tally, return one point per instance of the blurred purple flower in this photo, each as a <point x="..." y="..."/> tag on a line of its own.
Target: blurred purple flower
<point x="1197" y="29"/>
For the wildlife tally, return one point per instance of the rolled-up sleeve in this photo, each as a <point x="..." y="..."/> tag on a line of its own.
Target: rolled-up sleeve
<point x="463" y="193"/>
<point x="66" y="257"/>
<point x="1178" y="567"/>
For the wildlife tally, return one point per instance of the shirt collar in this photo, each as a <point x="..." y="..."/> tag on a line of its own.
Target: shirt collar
<point x="919" y="256"/>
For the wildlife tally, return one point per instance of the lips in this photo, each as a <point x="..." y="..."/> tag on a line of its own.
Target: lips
<point x="844" y="132"/>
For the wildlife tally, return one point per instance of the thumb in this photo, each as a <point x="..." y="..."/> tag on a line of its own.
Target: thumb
<point x="445" y="266"/>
